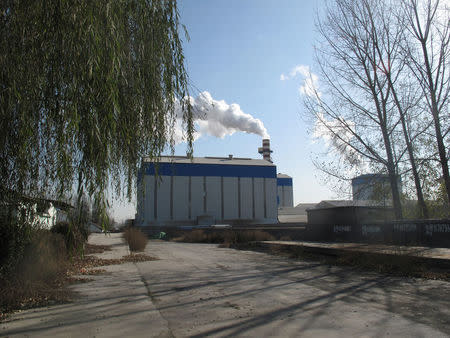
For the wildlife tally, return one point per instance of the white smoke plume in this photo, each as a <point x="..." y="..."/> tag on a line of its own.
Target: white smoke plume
<point x="337" y="134"/>
<point x="219" y="119"/>
<point x="310" y="85"/>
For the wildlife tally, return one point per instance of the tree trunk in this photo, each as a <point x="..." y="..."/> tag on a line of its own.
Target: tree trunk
<point x="437" y="124"/>
<point x="421" y="201"/>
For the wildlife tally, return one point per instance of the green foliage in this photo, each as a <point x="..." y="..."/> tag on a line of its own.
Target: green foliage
<point x="86" y="89"/>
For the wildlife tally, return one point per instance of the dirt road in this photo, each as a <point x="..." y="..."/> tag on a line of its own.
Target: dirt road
<point x="204" y="290"/>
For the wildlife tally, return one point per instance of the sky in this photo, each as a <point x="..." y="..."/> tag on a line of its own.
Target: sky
<point x="249" y="58"/>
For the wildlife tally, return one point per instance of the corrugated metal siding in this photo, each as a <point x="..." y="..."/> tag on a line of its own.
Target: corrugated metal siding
<point x="249" y="195"/>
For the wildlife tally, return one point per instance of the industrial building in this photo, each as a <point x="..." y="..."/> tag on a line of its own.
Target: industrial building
<point x="285" y="196"/>
<point x="373" y="187"/>
<point x="206" y="190"/>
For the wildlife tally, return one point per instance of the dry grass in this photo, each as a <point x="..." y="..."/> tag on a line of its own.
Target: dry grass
<point x="29" y="287"/>
<point x="199" y="236"/>
<point x="285" y="238"/>
<point x="136" y="239"/>
<point x="398" y="264"/>
<point x="38" y="277"/>
<point x="226" y="238"/>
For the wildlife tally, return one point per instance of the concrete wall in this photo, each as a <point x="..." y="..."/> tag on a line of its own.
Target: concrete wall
<point x="405" y="232"/>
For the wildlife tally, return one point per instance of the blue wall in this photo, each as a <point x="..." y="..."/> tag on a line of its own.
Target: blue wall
<point x="284" y="181"/>
<point x="196" y="169"/>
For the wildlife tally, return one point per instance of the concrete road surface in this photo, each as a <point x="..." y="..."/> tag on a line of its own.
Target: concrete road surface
<point x="202" y="290"/>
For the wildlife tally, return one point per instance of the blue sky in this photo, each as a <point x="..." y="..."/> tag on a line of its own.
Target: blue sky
<point x="237" y="52"/>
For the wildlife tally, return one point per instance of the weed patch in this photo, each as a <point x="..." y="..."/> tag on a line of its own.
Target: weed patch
<point x="44" y="274"/>
<point x="396" y="264"/>
<point x="226" y="238"/>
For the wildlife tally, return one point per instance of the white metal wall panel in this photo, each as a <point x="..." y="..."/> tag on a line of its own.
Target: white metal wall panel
<point x="230" y="198"/>
<point x="197" y="194"/>
<point x="288" y="196"/>
<point x="163" y="192"/>
<point x="271" y="198"/>
<point x="259" y="198"/>
<point x="246" y="198"/>
<point x="181" y="197"/>
<point x="280" y="193"/>
<point x="213" y="197"/>
<point x="149" y="198"/>
<point x="140" y="207"/>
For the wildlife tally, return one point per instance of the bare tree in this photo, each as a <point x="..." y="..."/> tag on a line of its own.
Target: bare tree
<point x="356" y="111"/>
<point x="389" y="38"/>
<point x="427" y="48"/>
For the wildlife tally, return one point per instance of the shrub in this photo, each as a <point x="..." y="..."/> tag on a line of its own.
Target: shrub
<point x="136" y="239"/>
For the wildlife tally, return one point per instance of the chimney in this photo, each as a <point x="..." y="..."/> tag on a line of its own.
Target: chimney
<point x="265" y="150"/>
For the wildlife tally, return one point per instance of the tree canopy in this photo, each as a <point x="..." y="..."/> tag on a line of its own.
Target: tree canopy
<point x="86" y="89"/>
<point x="382" y="105"/>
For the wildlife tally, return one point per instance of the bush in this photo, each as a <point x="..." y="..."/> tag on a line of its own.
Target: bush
<point x="136" y="239"/>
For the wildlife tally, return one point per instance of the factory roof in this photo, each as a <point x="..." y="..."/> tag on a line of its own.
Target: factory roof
<point x="279" y="175"/>
<point x="350" y="203"/>
<point x="230" y="160"/>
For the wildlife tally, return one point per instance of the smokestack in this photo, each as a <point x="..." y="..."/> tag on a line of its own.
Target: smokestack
<point x="265" y="150"/>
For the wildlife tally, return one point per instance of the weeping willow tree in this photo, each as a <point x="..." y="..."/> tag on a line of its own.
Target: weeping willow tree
<point x="86" y="89"/>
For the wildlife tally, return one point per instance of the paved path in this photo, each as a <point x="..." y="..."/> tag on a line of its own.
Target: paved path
<point x="202" y="290"/>
<point x="115" y="304"/>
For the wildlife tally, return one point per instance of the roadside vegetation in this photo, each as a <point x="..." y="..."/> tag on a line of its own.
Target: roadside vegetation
<point x="136" y="239"/>
<point x="397" y="263"/>
<point x="227" y="238"/>
<point x="37" y="264"/>
<point x="75" y="126"/>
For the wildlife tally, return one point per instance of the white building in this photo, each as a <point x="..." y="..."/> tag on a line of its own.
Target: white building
<point x="284" y="191"/>
<point x="206" y="190"/>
